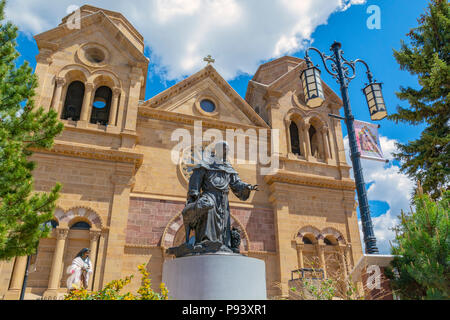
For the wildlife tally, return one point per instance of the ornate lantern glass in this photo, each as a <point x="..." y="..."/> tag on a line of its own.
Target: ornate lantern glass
<point x="312" y="87"/>
<point x="375" y="101"/>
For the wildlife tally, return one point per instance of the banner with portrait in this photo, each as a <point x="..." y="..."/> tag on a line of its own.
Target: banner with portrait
<point x="368" y="141"/>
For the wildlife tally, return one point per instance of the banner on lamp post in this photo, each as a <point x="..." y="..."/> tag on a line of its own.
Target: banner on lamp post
<point x="368" y="141"/>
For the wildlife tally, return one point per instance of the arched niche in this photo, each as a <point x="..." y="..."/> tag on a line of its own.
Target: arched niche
<point x="174" y="234"/>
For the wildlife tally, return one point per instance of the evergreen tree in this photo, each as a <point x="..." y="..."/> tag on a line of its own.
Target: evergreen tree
<point x="427" y="159"/>
<point x="23" y="128"/>
<point x="421" y="268"/>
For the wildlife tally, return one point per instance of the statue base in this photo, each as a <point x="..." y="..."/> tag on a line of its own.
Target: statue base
<point x="218" y="276"/>
<point x="187" y="249"/>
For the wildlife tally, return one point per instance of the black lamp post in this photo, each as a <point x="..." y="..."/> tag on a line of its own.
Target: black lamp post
<point x="49" y="224"/>
<point x="25" y="279"/>
<point x="314" y="98"/>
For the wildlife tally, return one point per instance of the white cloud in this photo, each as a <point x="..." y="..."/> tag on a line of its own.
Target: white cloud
<point x="238" y="34"/>
<point x="389" y="185"/>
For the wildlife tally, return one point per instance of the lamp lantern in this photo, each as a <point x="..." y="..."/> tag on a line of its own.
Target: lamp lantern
<point x="375" y="101"/>
<point x="312" y="87"/>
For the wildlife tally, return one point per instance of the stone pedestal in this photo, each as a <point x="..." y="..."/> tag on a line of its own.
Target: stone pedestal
<point x="215" y="277"/>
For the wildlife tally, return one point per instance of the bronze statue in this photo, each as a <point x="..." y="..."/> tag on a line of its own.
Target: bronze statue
<point x="207" y="210"/>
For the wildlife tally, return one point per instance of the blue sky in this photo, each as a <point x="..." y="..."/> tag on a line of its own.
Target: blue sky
<point x="348" y="27"/>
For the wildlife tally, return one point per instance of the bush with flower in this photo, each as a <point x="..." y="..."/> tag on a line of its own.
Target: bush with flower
<point x="112" y="291"/>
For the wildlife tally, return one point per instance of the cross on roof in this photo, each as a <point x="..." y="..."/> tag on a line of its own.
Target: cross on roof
<point x="209" y="59"/>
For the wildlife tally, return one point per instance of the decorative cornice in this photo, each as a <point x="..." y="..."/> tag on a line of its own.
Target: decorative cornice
<point x="45" y="56"/>
<point x="52" y="46"/>
<point x="123" y="180"/>
<point x="98" y="18"/>
<point x="94" y="152"/>
<point x="207" y="122"/>
<point x="290" y="177"/>
<point x="313" y="164"/>
<point x="255" y="252"/>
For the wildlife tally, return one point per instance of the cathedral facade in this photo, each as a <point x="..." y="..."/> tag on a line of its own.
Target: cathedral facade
<point x="122" y="192"/>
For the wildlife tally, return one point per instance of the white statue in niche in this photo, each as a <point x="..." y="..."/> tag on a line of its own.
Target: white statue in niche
<point x="80" y="271"/>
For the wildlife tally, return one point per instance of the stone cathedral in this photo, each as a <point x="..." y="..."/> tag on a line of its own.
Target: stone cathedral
<point x="122" y="194"/>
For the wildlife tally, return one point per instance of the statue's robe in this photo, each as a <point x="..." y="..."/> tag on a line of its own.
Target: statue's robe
<point x="209" y="186"/>
<point x="80" y="271"/>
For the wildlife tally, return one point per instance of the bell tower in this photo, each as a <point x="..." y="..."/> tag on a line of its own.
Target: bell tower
<point x="92" y="71"/>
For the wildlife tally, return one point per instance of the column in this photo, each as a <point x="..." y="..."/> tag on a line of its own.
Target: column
<point x="300" y="247"/>
<point x="17" y="278"/>
<point x="114" y="106"/>
<point x="98" y="273"/>
<point x="89" y="88"/>
<point x="287" y="124"/>
<point x="347" y="258"/>
<point x="321" y="254"/>
<point x="120" y="115"/>
<point x="56" y="104"/>
<point x="305" y="141"/>
<point x="301" y="136"/>
<point x="57" y="262"/>
<point x="326" y="147"/>
<point x="94" y="236"/>
<point x="136" y="80"/>
<point x="341" y="252"/>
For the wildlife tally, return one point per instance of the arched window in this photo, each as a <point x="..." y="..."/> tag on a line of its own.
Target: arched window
<point x="295" y="140"/>
<point x="307" y="240"/>
<point x="74" y="101"/>
<point x="81" y="226"/>
<point x="330" y="241"/>
<point x="101" y="106"/>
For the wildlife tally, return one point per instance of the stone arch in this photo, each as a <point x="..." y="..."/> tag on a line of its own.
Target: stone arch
<point x="316" y="116"/>
<point x="295" y="113"/>
<point x="176" y="223"/>
<point x="104" y="78"/>
<point x="74" y="72"/>
<point x="171" y="230"/>
<point x="76" y="214"/>
<point x="329" y="231"/>
<point x="308" y="230"/>
<point x="59" y="214"/>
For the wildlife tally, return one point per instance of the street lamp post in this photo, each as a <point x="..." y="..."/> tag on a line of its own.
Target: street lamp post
<point x="25" y="279"/>
<point x="314" y="96"/>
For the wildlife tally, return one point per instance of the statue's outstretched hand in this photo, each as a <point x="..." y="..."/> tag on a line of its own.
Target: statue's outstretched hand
<point x="253" y="188"/>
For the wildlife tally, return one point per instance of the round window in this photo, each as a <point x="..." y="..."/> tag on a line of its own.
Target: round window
<point x="95" y="55"/>
<point x="207" y="106"/>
